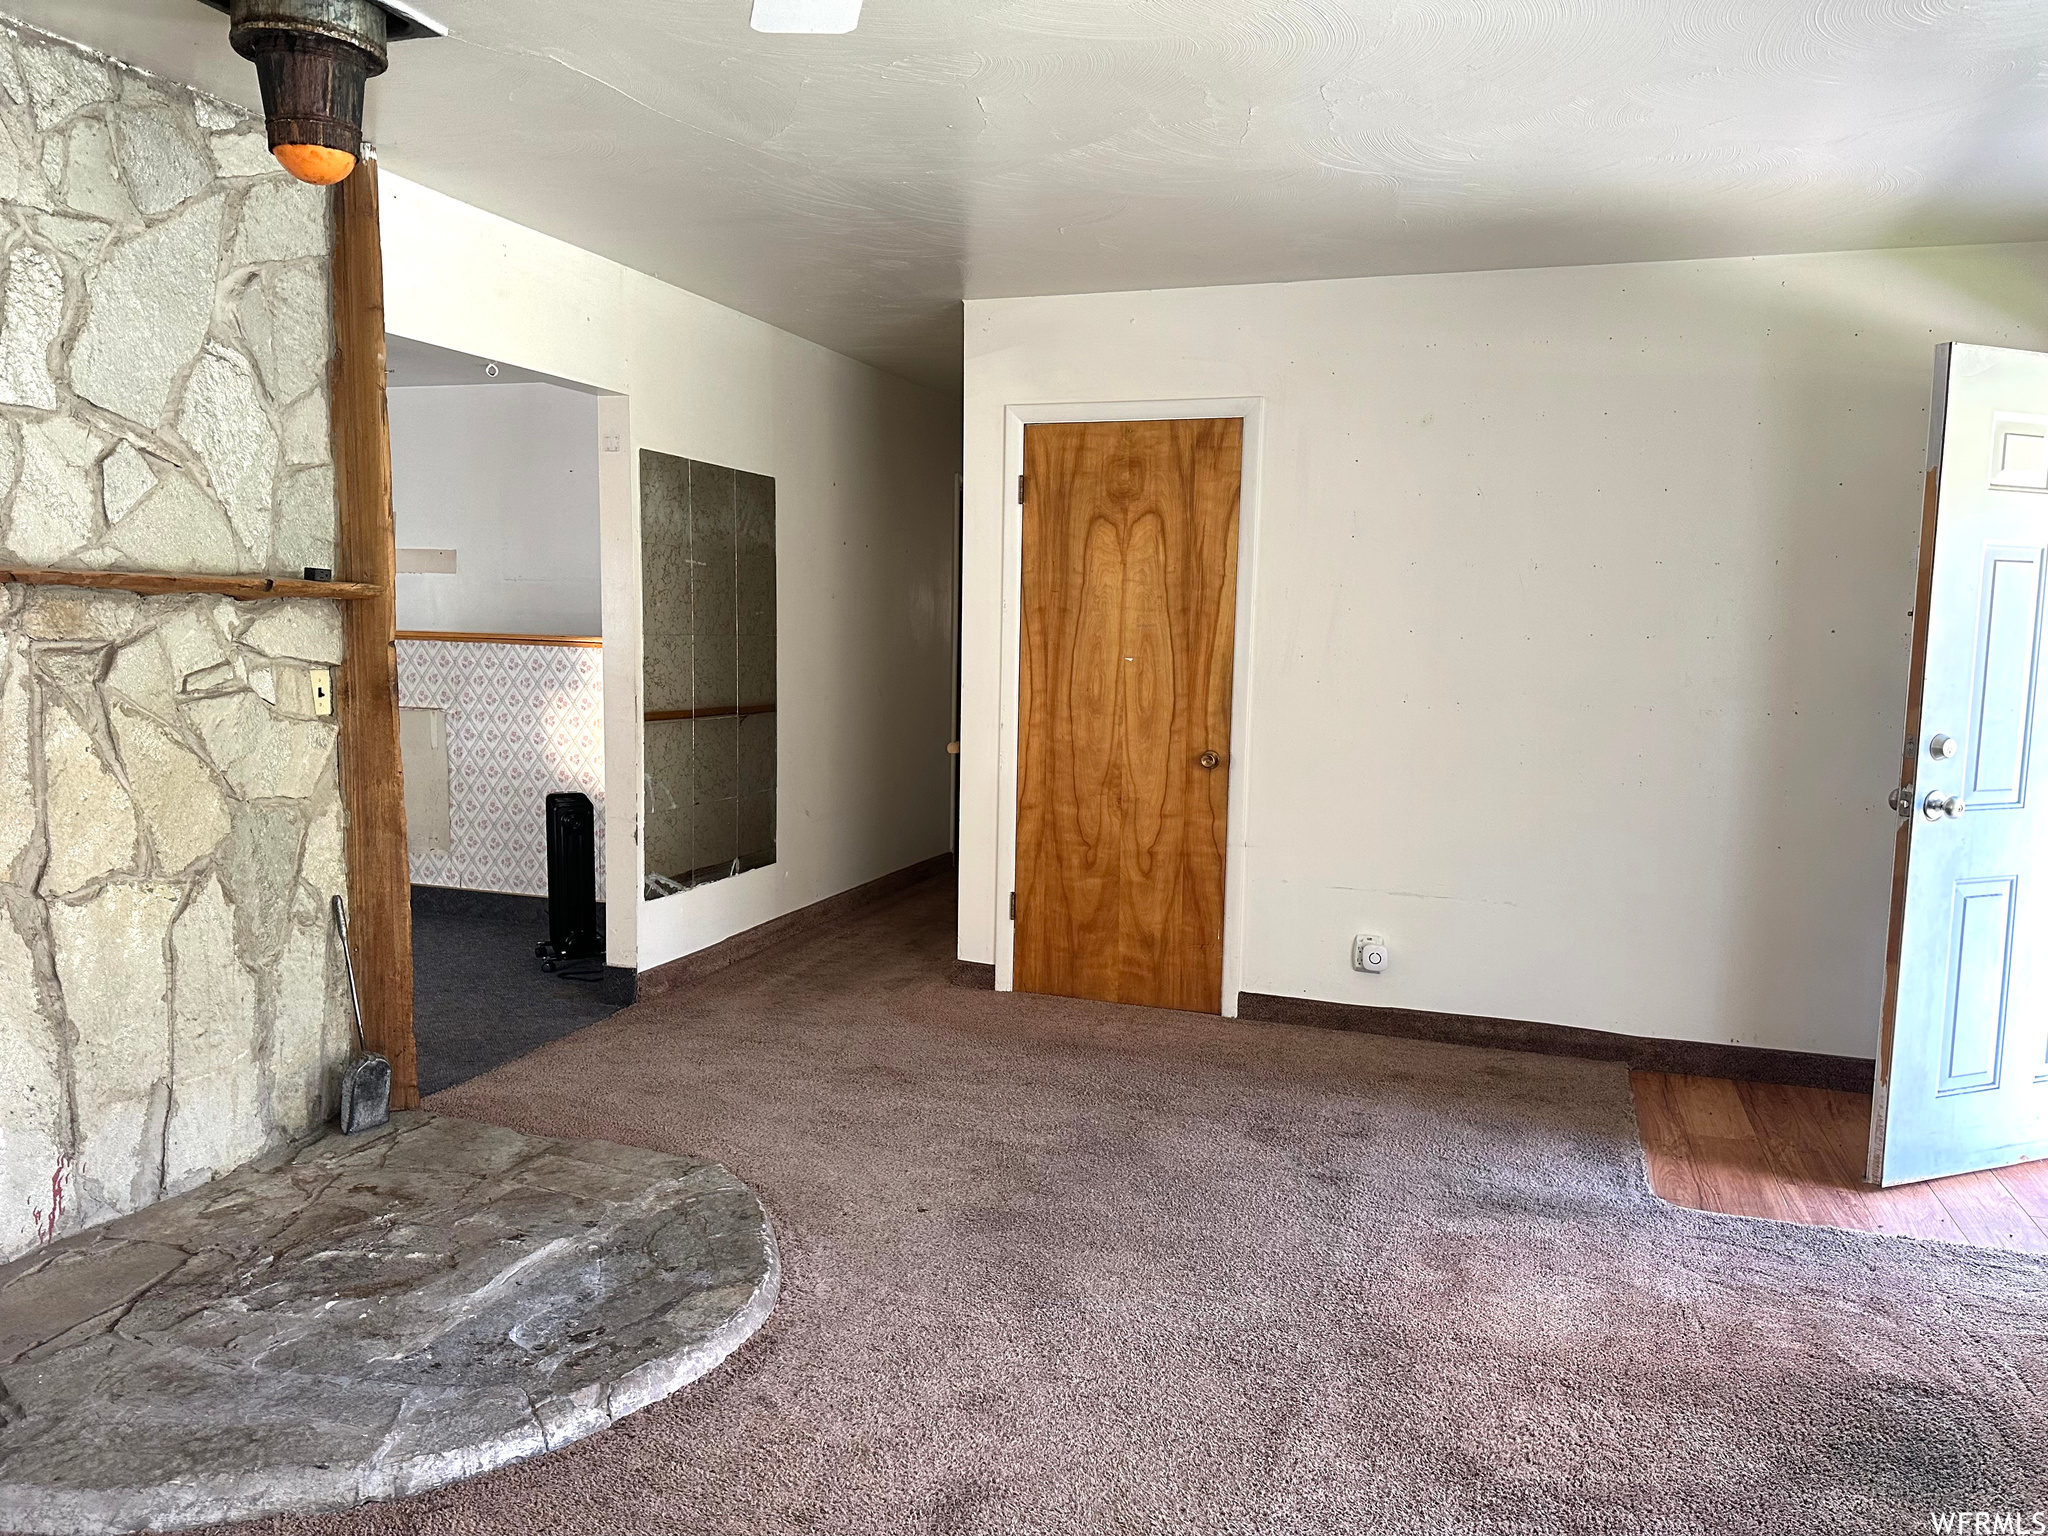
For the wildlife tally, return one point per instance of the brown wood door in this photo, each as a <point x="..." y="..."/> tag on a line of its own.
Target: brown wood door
<point x="1130" y="609"/>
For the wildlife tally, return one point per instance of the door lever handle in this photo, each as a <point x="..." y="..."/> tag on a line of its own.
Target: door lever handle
<point x="1939" y="805"/>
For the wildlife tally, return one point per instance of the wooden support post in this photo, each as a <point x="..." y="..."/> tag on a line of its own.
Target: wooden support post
<point x="372" y="779"/>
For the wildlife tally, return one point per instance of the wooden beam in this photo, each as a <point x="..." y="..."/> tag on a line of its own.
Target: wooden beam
<point x="247" y="589"/>
<point x="372" y="778"/>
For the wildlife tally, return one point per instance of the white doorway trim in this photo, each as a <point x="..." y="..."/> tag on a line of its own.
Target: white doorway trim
<point x="618" y="500"/>
<point x="1252" y="411"/>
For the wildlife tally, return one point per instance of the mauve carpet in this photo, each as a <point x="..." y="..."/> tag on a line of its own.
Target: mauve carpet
<point x="1064" y="1267"/>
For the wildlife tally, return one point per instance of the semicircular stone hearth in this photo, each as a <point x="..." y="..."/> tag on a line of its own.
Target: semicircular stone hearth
<point x="365" y="1318"/>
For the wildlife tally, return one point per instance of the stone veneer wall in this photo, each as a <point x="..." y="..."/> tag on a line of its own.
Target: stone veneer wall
<point x="171" y="1002"/>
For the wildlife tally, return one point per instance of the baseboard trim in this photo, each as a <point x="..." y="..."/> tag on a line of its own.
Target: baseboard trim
<point x="975" y="974"/>
<point x="663" y="980"/>
<point x="1748" y="1063"/>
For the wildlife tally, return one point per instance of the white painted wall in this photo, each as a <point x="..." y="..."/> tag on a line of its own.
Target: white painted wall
<point x="1580" y="611"/>
<point x="506" y="476"/>
<point x="864" y="466"/>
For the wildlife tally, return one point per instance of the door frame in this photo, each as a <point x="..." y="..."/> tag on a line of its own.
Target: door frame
<point x="1252" y="411"/>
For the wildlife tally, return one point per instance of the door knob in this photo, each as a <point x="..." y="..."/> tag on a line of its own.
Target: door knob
<point x="1943" y="747"/>
<point x="1939" y="805"/>
<point x="1208" y="759"/>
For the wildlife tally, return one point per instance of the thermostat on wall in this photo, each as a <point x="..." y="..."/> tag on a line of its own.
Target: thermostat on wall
<point x="1369" y="953"/>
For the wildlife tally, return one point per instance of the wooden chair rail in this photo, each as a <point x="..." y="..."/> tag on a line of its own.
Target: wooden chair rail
<point x="473" y="637"/>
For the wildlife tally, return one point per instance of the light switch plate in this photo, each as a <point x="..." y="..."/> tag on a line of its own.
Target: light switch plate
<point x="323" y="690"/>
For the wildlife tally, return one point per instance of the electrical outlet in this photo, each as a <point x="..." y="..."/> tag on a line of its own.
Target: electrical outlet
<point x="323" y="690"/>
<point x="1369" y="953"/>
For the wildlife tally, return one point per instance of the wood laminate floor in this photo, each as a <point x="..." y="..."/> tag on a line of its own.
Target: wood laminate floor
<point x="1796" y="1154"/>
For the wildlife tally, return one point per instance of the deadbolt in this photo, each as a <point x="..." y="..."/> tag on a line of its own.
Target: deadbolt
<point x="1208" y="759"/>
<point x="1939" y="805"/>
<point x="1943" y="747"/>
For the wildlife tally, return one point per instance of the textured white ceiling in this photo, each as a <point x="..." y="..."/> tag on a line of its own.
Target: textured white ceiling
<point x="854" y="189"/>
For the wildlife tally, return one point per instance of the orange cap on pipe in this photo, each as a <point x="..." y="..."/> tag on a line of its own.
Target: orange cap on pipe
<point x="315" y="163"/>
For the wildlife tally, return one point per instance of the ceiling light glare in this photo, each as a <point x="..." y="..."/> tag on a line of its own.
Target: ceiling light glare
<point x="806" y="15"/>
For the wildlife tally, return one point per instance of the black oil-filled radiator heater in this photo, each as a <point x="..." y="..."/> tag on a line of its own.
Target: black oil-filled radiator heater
<point x="573" y="930"/>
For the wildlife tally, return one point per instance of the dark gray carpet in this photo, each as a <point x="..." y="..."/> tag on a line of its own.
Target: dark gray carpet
<point x="1065" y="1267"/>
<point x="479" y="998"/>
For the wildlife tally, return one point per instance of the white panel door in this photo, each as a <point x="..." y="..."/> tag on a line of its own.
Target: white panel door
<point x="1963" y="1072"/>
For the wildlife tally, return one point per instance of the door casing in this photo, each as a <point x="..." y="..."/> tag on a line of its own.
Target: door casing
<point x="1252" y="411"/>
